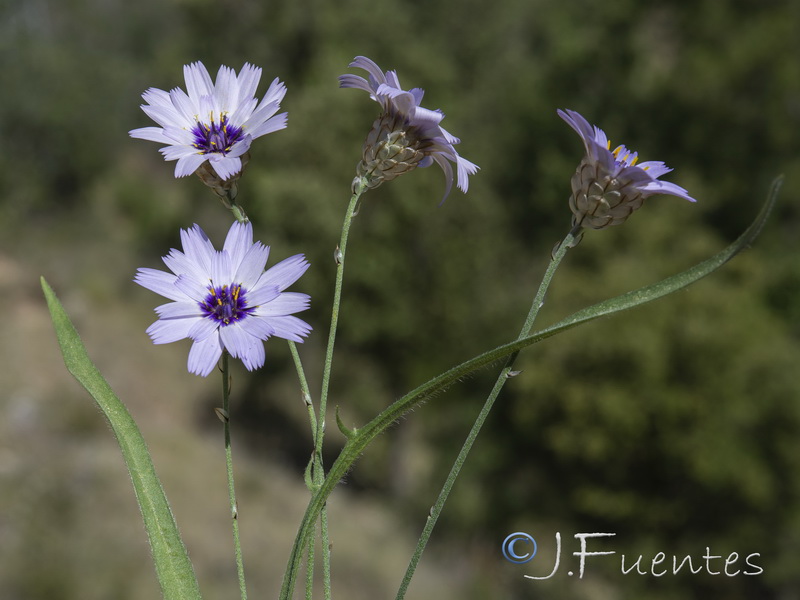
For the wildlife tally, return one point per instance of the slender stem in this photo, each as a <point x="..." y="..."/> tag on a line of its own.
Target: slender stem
<point x="228" y="198"/>
<point x="310" y="573"/>
<point x="505" y="374"/>
<point x="226" y="392"/>
<point x="307" y="533"/>
<point x="337" y="299"/>
<point x="326" y="551"/>
<point x="317" y="477"/>
<point x="301" y="376"/>
<point x="239" y="213"/>
<point x="312" y="419"/>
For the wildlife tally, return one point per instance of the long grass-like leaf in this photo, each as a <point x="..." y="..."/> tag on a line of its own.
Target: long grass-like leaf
<point x="173" y="568"/>
<point x="358" y="441"/>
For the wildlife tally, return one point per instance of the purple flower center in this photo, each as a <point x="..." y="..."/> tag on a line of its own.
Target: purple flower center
<point x="226" y="305"/>
<point x="217" y="137"/>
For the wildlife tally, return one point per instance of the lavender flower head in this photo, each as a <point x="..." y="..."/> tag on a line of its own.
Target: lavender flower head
<point x="609" y="185"/>
<point x="224" y="300"/>
<point x="406" y="135"/>
<point x="215" y="122"/>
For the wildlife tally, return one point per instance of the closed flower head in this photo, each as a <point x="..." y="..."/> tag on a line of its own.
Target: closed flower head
<point x="609" y="185"/>
<point x="224" y="300"/>
<point x="208" y="128"/>
<point x="406" y="135"/>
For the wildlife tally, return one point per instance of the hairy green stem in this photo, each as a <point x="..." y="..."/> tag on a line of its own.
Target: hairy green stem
<point x="318" y="425"/>
<point x="226" y="393"/>
<point x="339" y="256"/>
<point x="504" y="376"/>
<point x="315" y="481"/>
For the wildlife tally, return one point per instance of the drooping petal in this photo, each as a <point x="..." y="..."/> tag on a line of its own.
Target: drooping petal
<point x="165" y="115"/>
<point x="197" y="247"/>
<point x="157" y="97"/>
<point x="151" y="134"/>
<point x="579" y="124"/>
<point x="665" y="187"/>
<point x="198" y="81"/>
<point x="255" y="355"/>
<point x="240" y="147"/>
<point x="355" y="81"/>
<point x="238" y="241"/>
<point x="179" y="310"/>
<point x="226" y="89"/>
<point x="465" y="168"/>
<point x="285" y="273"/>
<point x="226" y="167"/>
<point x="204" y="355"/>
<point x="262" y="295"/>
<point x="448" y="174"/>
<point x="180" y="264"/>
<point x="188" y="164"/>
<point x="159" y="282"/>
<point x="166" y="331"/>
<point x="203" y="328"/>
<point x="221" y="270"/>
<point x="252" y="266"/>
<point x="235" y="339"/>
<point x="258" y="327"/>
<point x="290" y="328"/>
<point x="362" y="62"/>
<point x="249" y="77"/>
<point x="403" y="101"/>
<point x="178" y="151"/>
<point x="275" y="93"/>
<point x="191" y="287"/>
<point x="271" y="125"/>
<point x="243" y="113"/>
<point x="285" y="304"/>
<point x="654" y="168"/>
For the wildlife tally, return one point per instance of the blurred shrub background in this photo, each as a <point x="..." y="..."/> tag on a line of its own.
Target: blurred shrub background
<point x="676" y="426"/>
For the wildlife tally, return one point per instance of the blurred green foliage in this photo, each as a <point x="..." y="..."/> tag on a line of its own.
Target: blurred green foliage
<point x="676" y="426"/>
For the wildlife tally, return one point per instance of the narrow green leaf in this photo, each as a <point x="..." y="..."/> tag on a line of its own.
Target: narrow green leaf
<point x="346" y="431"/>
<point x="601" y="309"/>
<point x="173" y="568"/>
<point x="357" y="443"/>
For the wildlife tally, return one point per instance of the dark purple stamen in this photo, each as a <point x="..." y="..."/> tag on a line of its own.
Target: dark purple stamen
<point x="226" y="305"/>
<point x="218" y="137"/>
